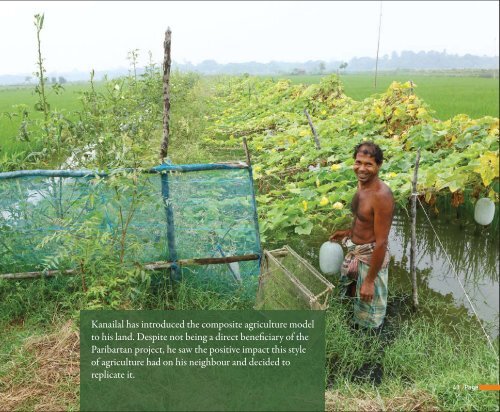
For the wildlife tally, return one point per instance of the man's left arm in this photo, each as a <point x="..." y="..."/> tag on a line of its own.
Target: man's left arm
<point x="382" y="219"/>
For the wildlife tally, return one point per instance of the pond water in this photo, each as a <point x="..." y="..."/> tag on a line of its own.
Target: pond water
<point x="472" y="251"/>
<point x="471" y="248"/>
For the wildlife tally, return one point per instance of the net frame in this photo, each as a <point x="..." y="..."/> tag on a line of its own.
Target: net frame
<point x="163" y="169"/>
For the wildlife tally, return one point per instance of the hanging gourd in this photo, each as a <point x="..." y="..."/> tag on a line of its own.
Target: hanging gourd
<point x="484" y="211"/>
<point x="331" y="256"/>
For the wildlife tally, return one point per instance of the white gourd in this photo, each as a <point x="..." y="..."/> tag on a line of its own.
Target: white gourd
<point x="331" y="256"/>
<point x="484" y="211"/>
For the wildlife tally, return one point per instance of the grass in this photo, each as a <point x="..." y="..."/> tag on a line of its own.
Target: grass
<point x="425" y="366"/>
<point x="419" y="355"/>
<point x="446" y="95"/>
<point x="66" y="103"/>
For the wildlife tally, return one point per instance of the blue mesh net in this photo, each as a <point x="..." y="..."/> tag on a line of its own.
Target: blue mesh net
<point x="169" y="213"/>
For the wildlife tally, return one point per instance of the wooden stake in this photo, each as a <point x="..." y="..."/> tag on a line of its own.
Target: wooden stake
<point x="316" y="138"/>
<point x="82" y="272"/>
<point x="164" y="152"/>
<point x="166" y="95"/>
<point x="413" y="232"/>
<point x="247" y="153"/>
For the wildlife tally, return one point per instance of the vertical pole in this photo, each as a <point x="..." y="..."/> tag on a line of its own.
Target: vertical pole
<point x="172" y="252"/>
<point x="315" y="134"/>
<point x="413" y="232"/>
<point x="254" y="202"/>
<point x="166" y="94"/>
<point x="378" y="45"/>
<point x="247" y="153"/>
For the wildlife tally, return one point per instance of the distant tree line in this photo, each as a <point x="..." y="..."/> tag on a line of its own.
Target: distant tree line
<point x="406" y="60"/>
<point x="53" y="79"/>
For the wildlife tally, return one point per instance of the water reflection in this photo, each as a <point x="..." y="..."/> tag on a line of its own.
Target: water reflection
<point x="473" y="252"/>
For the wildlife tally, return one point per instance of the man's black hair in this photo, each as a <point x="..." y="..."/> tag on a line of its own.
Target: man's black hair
<point x="370" y="149"/>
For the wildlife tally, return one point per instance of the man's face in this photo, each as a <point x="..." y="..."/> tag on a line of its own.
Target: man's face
<point x="365" y="167"/>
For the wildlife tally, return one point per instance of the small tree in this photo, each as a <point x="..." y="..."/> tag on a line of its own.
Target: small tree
<point x="42" y="104"/>
<point x="341" y="67"/>
<point x="322" y="67"/>
<point x="133" y="57"/>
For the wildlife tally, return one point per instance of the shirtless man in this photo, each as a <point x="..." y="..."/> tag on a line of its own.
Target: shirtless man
<point x="364" y="270"/>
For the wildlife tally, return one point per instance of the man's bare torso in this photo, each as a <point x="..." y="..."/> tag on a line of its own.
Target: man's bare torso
<point x="362" y="206"/>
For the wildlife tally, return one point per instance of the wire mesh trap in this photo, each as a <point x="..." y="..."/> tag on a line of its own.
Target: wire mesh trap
<point x="288" y="281"/>
<point x="170" y="216"/>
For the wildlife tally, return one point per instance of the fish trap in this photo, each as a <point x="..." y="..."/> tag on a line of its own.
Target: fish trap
<point x="288" y="281"/>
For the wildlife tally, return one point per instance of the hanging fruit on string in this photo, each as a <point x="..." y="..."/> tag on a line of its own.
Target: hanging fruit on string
<point x="484" y="211"/>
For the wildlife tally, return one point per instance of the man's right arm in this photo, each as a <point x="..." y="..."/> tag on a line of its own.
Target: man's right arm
<point x="340" y="234"/>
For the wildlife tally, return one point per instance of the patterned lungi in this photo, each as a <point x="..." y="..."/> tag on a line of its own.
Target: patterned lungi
<point x="355" y="269"/>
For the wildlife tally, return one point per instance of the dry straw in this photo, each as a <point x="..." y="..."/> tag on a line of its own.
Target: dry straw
<point x="53" y="382"/>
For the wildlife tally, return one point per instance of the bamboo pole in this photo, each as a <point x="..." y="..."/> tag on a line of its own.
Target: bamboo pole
<point x="254" y="202"/>
<point x="200" y="261"/>
<point x="147" y="266"/>
<point x="169" y="214"/>
<point x="166" y="94"/>
<point x="247" y="153"/>
<point x="315" y="134"/>
<point x="32" y="275"/>
<point x="413" y="232"/>
<point x="94" y="173"/>
<point x="172" y="252"/>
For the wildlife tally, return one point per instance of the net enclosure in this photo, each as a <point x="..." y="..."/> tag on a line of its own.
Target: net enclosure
<point x="288" y="281"/>
<point x="177" y="216"/>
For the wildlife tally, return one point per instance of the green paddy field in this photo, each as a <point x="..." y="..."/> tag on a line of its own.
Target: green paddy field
<point x="446" y="95"/>
<point x="14" y="98"/>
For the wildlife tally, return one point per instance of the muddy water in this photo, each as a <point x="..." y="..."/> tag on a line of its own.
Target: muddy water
<point x="457" y="249"/>
<point x="472" y="251"/>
